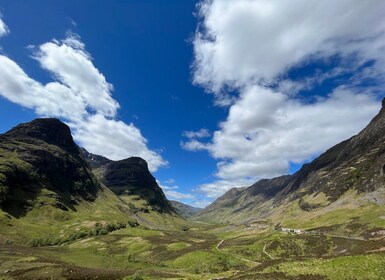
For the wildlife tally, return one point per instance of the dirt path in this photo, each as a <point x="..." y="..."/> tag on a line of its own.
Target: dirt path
<point x="219" y="244"/>
<point x="242" y="259"/>
<point x="266" y="253"/>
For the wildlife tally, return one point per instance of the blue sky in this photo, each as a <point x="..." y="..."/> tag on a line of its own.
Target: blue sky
<point x="213" y="94"/>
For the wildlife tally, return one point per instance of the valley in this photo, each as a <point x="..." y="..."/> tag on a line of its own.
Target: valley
<point x="70" y="214"/>
<point x="202" y="252"/>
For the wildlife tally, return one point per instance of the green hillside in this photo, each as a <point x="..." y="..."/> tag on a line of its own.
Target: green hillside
<point x="342" y="191"/>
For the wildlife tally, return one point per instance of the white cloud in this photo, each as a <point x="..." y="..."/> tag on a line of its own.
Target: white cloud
<point x="217" y="188"/>
<point x="175" y="195"/>
<point x="202" y="133"/>
<point x="247" y="41"/>
<point x="116" y="139"/>
<point x="265" y="131"/>
<point x="193" y="145"/>
<point x="172" y="193"/>
<point x="81" y="95"/>
<point x="4" y="30"/>
<point x="71" y="65"/>
<point x="52" y="99"/>
<point x="244" y="51"/>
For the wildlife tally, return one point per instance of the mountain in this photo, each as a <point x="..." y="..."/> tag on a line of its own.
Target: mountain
<point x="42" y="154"/>
<point x="131" y="180"/>
<point x="343" y="189"/>
<point x="49" y="193"/>
<point x="184" y="210"/>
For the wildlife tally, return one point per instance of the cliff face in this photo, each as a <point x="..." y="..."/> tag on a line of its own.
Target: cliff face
<point x="42" y="155"/>
<point x="354" y="168"/>
<point x="131" y="180"/>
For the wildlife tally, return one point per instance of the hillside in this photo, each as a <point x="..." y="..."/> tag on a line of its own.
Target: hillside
<point x="184" y="210"/>
<point x="49" y="194"/>
<point x="131" y="180"/>
<point x="42" y="155"/>
<point x="343" y="189"/>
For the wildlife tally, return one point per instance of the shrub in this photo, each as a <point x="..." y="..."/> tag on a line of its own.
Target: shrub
<point x="185" y="228"/>
<point x="133" y="223"/>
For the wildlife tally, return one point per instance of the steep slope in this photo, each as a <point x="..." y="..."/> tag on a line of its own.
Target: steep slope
<point x="131" y="180"/>
<point x="342" y="188"/>
<point x="48" y="193"/>
<point x="42" y="154"/>
<point x="184" y="210"/>
<point x="238" y="201"/>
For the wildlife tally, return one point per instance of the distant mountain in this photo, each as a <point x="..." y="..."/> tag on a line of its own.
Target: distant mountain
<point x="184" y="210"/>
<point x="131" y="180"/>
<point x="342" y="189"/>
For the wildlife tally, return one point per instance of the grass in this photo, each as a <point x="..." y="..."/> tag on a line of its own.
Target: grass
<point x="175" y="254"/>
<point x="160" y="247"/>
<point x="351" y="267"/>
<point x="214" y="262"/>
<point x="177" y="246"/>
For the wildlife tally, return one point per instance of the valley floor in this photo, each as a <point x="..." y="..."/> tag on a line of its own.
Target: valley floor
<point x="203" y="251"/>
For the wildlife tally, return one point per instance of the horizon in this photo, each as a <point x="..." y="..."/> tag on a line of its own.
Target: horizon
<point x="208" y="107"/>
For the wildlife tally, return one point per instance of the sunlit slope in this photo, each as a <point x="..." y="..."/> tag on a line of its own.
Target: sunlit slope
<point x="342" y="189"/>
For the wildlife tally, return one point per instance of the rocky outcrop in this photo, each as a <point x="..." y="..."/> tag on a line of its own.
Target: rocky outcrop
<point x="42" y="155"/>
<point x="130" y="177"/>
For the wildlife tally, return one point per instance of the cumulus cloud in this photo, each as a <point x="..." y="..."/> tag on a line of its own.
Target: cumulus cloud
<point x="115" y="138"/>
<point x="81" y="95"/>
<point x="245" y="52"/>
<point x="72" y="66"/>
<point x="202" y="133"/>
<point x="247" y="41"/>
<point x="178" y="195"/>
<point x="3" y="28"/>
<point x="265" y="130"/>
<point x="172" y="193"/>
<point x="217" y="188"/>
<point x="53" y="99"/>
<point x="193" y="145"/>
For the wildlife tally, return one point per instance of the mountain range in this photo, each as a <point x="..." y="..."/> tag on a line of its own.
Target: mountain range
<point x="47" y="182"/>
<point x="341" y="190"/>
<point x="66" y="213"/>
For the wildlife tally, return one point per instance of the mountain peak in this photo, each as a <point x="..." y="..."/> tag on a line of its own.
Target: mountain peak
<point x="50" y="130"/>
<point x="129" y="177"/>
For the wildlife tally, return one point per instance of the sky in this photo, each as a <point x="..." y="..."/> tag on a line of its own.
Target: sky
<point x="212" y="94"/>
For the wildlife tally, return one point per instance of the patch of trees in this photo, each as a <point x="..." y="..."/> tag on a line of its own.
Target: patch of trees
<point x="97" y="230"/>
